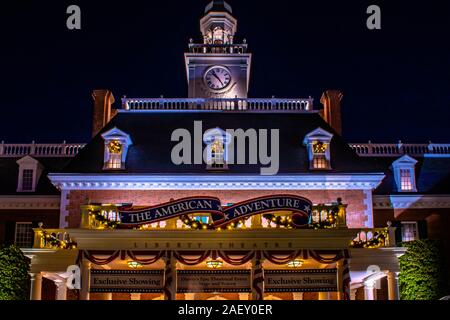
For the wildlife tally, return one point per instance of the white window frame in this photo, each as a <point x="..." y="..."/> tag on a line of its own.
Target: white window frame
<point x="28" y="163"/>
<point x="416" y="229"/>
<point x="318" y="135"/>
<point x="405" y="163"/>
<point x="16" y="229"/>
<point x="124" y="139"/>
<point x="209" y="138"/>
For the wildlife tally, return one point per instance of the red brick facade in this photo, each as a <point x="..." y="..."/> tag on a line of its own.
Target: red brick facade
<point x="354" y="198"/>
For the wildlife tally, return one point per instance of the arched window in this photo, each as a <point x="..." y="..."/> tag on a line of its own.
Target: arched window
<point x="215" y="155"/>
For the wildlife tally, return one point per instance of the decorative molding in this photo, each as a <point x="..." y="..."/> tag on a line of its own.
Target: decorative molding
<point x="27" y="202"/>
<point x="216" y="182"/>
<point x="368" y="201"/>
<point x="411" y="201"/>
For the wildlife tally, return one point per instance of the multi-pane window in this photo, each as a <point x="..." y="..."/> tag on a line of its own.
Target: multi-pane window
<point x="27" y="180"/>
<point x="405" y="180"/>
<point x="115" y="149"/>
<point x="115" y="161"/>
<point x="320" y="162"/>
<point x="217" y="154"/>
<point x="409" y="231"/>
<point x="24" y="235"/>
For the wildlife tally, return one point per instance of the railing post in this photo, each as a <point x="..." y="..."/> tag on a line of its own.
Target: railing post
<point x="342" y="215"/>
<point x="32" y="148"/>
<point x="2" y="148"/>
<point x="391" y="235"/>
<point x="38" y="241"/>
<point x="85" y="217"/>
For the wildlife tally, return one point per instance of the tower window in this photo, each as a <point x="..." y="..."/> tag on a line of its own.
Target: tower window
<point x="217" y="154"/>
<point x="24" y="235"/>
<point x="405" y="180"/>
<point x="216" y="141"/>
<point x="27" y="180"/>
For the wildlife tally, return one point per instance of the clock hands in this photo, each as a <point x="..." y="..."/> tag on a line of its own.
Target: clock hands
<point x="217" y="77"/>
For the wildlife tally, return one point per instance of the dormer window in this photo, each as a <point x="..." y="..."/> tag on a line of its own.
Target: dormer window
<point x="404" y="174"/>
<point x="216" y="141"/>
<point x="318" y="146"/>
<point x="117" y="143"/>
<point x="30" y="171"/>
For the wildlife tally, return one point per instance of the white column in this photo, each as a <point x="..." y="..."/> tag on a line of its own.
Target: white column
<point x="85" y="279"/>
<point x="61" y="290"/>
<point x="36" y="286"/>
<point x="244" y="296"/>
<point x="370" y="292"/>
<point x="135" y="296"/>
<point x="297" y="295"/>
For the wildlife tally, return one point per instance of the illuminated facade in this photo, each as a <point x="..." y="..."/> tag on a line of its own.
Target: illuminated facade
<point x="142" y="227"/>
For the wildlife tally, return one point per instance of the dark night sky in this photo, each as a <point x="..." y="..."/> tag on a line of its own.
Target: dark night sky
<point x="396" y="81"/>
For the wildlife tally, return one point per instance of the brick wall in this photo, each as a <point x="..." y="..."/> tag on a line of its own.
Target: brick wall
<point x="354" y="198"/>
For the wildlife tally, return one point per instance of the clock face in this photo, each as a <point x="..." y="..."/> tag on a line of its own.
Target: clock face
<point x="217" y="78"/>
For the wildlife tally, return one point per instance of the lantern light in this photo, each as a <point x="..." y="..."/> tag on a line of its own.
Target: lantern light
<point x="134" y="264"/>
<point x="214" y="264"/>
<point x="296" y="263"/>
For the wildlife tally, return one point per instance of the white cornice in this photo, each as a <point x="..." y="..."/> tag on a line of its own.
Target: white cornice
<point x="29" y="202"/>
<point x="411" y="201"/>
<point x="216" y="182"/>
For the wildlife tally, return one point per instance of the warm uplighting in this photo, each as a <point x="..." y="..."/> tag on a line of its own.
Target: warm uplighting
<point x="214" y="264"/>
<point x="296" y="263"/>
<point x="134" y="264"/>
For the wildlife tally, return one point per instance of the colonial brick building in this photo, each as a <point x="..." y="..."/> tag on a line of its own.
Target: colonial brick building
<point x="305" y="216"/>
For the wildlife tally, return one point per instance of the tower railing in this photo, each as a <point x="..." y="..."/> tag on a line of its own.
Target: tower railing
<point x="218" y="48"/>
<point x="236" y="104"/>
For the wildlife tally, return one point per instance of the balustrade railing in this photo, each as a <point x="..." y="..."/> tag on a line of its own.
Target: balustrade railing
<point x="236" y="104"/>
<point x="398" y="149"/>
<point x="40" y="149"/>
<point x="218" y="48"/>
<point x="371" y="238"/>
<point x="52" y="239"/>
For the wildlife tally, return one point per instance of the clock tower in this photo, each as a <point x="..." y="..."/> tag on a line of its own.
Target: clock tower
<point x="218" y="68"/>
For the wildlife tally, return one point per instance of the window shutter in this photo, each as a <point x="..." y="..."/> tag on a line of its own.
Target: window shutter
<point x="398" y="231"/>
<point x="10" y="231"/>
<point x="422" y="229"/>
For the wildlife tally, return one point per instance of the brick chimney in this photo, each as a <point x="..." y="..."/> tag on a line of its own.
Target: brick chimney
<point x="331" y="113"/>
<point x="102" y="112"/>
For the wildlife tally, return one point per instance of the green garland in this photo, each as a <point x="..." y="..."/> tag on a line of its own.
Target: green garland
<point x="287" y="222"/>
<point x="378" y="240"/>
<point x="50" y="238"/>
<point x="108" y="224"/>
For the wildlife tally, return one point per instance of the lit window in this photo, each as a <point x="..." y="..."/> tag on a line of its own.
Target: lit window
<point x="405" y="180"/>
<point x="27" y="180"/>
<point x="217" y="154"/>
<point x="320" y="162"/>
<point x="24" y="235"/>
<point x="116" y="148"/>
<point x="318" y="147"/>
<point x="404" y="174"/>
<point x="216" y="141"/>
<point x="409" y="231"/>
